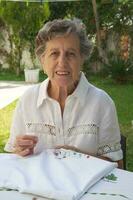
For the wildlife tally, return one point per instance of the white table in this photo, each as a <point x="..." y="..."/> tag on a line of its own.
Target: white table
<point x="120" y="188"/>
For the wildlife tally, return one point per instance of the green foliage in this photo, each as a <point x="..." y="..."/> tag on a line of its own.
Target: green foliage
<point x="9" y="75"/>
<point x="25" y="21"/>
<point x="26" y="18"/>
<point x="5" y="119"/>
<point x="116" y="15"/>
<point x="78" y="9"/>
<point x="120" y="70"/>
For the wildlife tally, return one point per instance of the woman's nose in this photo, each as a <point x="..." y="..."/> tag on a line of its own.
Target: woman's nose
<point x="62" y="60"/>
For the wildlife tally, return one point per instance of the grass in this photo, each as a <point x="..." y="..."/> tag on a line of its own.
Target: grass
<point x="123" y="98"/>
<point x="6" y="75"/>
<point x="5" y="119"/>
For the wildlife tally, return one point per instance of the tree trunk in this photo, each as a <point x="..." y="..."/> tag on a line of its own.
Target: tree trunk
<point x="97" y="25"/>
<point x="98" y="34"/>
<point x="19" y="60"/>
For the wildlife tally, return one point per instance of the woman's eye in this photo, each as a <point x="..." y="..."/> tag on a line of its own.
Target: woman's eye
<point x="54" y="53"/>
<point x="71" y="54"/>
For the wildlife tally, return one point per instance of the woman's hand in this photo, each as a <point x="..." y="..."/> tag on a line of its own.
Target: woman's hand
<point x="73" y="148"/>
<point x="25" y="144"/>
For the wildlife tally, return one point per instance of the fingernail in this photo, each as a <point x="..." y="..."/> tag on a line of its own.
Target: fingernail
<point x="26" y="150"/>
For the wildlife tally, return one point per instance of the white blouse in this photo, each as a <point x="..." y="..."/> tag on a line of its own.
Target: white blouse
<point x="89" y="120"/>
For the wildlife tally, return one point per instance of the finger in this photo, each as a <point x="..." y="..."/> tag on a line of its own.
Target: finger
<point x="25" y="152"/>
<point x="27" y="137"/>
<point x="22" y="142"/>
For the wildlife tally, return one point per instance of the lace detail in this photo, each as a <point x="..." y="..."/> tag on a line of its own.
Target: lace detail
<point x="41" y="128"/>
<point x="83" y="129"/>
<point x="109" y="148"/>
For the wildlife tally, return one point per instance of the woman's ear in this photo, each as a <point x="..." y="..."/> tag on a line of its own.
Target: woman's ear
<point x="42" y="59"/>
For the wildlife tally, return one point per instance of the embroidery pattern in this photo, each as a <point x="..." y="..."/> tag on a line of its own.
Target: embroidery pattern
<point x="109" y="148"/>
<point x="83" y="129"/>
<point x="7" y="189"/>
<point x="60" y="154"/>
<point x="41" y="127"/>
<point x="93" y="193"/>
<point x="113" y="194"/>
<point x="110" y="178"/>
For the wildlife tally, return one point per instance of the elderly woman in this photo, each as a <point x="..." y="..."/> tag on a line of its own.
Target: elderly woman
<point x="65" y="110"/>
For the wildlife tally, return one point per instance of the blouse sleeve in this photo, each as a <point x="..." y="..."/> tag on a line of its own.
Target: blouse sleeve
<point x="109" y="132"/>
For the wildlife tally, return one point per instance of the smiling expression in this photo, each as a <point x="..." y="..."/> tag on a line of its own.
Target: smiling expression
<point x="62" y="60"/>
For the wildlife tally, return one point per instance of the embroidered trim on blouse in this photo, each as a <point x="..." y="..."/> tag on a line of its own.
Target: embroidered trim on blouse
<point x="83" y="129"/>
<point x="109" y="148"/>
<point x="41" y="127"/>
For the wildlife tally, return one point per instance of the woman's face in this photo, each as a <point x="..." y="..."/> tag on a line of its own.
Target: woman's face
<point x="62" y="60"/>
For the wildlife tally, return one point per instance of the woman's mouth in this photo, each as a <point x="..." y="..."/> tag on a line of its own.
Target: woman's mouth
<point x="62" y="73"/>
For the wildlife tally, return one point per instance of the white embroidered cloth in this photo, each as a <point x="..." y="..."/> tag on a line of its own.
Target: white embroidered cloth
<point x="57" y="174"/>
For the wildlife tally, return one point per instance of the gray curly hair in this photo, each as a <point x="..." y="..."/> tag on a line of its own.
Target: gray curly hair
<point x="61" y="27"/>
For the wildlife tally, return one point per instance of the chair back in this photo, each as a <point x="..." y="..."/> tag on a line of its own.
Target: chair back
<point x="123" y="147"/>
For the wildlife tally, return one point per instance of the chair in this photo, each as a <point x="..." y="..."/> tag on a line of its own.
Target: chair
<point x="123" y="147"/>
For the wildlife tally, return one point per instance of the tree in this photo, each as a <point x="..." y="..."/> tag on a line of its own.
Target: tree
<point x="98" y="15"/>
<point x="24" y="21"/>
<point x="97" y="26"/>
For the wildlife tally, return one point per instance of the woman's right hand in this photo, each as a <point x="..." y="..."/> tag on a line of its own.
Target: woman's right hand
<point x="25" y="144"/>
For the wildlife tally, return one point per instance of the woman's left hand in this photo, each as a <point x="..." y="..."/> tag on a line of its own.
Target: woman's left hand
<point x="73" y="148"/>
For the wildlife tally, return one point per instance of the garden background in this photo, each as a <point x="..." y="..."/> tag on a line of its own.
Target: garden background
<point x="110" y="28"/>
